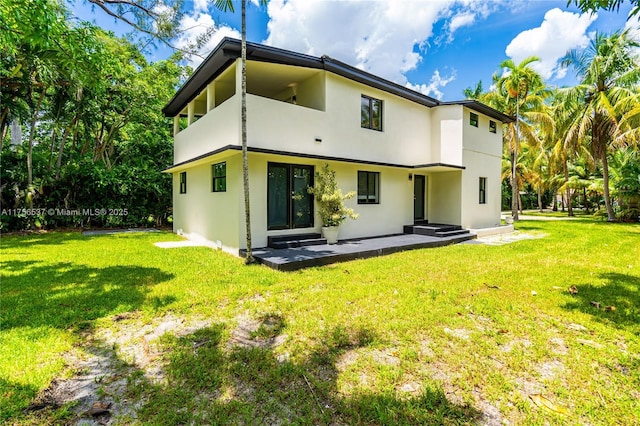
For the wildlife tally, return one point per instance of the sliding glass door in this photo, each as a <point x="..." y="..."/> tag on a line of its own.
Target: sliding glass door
<point x="289" y="205"/>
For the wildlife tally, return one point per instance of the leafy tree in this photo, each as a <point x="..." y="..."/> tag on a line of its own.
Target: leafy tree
<point x="594" y="5"/>
<point x="520" y="92"/>
<point x="608" y="97"/>
<point x="90" y="107"/>
<point x="473" y="93"/>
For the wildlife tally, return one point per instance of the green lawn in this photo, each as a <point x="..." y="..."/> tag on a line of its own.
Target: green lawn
<point x="435" y="336"/>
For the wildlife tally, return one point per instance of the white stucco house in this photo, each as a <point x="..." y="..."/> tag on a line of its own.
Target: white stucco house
<point x="409" y="157"/>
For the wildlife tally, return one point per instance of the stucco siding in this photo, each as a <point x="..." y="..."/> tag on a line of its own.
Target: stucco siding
<point x="205" y="216"/>
<point x="482" y="154"/>
<point x="445" y="198"/>
<point x="446" y="135"/>
<point x="218" y="128"/>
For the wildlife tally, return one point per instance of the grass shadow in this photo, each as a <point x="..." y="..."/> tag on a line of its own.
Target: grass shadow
<point x="620" y="291"/>
<point x="208" y="383"/>
<point x="13" y="394"/>
<point x="69" y="296"/>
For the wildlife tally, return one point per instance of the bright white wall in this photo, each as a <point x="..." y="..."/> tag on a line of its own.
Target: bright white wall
<point x="218" y="128"/>
<point x="474" y="214"/>
<point x="205" y="216"/>
<point x="286" y="127"/>
<point x="388" y="217"/>
<point x="445" y="199"/>
<point x="446" y="135"/>
<point x="482" y="158"/>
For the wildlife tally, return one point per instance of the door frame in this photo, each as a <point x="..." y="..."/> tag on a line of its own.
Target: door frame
<point x="290" y="207"/>
<point x="423" y="180"/>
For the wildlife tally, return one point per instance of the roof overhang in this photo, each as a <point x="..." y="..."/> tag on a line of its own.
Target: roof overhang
<point x="228" y="51"/>
<point x="206" y="157"/>
<point x="483" y="109"/>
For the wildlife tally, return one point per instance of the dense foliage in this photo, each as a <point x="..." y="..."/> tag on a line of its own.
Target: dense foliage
<point x="579" y="144"/>
<point x="83" y="141"/>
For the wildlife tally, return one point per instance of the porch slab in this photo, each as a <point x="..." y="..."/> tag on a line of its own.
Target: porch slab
<point x="291" y="259"/>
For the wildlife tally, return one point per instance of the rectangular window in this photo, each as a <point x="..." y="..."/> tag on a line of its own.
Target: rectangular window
<point x="371" y="113"/>
<point x="368" y="187"/>
<point x="492" y="126"/>
<point x="183" y="182"/>
<point x="219" y="176"/>
<point x="473" y="119"/>
<point x="483" y="190"/>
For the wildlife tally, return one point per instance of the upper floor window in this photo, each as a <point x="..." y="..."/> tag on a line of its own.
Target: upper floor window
<point x="370" y="113"/>
<point x="482" y="190"/>
<point x="492" y="126"/>
<point x="473" y="119"/>
<point x="183" y="182"/>
<point x="219" y="177"/>
<point x="368" y="187"/>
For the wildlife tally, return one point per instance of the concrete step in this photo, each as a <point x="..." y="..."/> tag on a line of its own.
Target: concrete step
<point x="292" y="241"/>
<point x="451" y="233"/>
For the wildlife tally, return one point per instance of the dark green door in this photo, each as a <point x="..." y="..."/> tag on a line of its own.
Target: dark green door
<point x="289" y="205"/>
<point x="418" y="197"/>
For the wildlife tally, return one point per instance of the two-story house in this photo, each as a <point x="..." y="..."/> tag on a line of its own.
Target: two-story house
<point x="409" y="157"/>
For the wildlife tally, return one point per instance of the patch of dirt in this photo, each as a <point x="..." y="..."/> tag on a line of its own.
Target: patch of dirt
<point x="502" y="239"/>
<point x="386" y="357"/>
<point x="508" y="347"/>
<point x="558" y="346"/>
<point x="549" y="370"/>
<point x="347" y="359"/>
<point x="425" y="349"/>
<point x="491" y="415"/>
<point x="460" y="333"/>
<point x="98" y="387"/>
<point x="245" y="333"/>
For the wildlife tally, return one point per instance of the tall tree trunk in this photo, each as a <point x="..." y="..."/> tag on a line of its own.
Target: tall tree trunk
<point x="611" y="216"/>
<point x="585" y="200"/>
<point x="5" y="126"/>
<point x="245" y="157"/>
<point x="514" y="187"/>
<point x="3" y="134"/>
<point x="539" y="199"/>
<point x="32" y="134"/>
<point x="567" y="190"/>
<point x="65" y="135"/>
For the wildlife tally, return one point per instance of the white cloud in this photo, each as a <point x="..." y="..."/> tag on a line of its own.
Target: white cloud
<point x="559" y="32"/>
<point x="461" y="20"/>
<point x="385" y="37"/>
<point x="200" y="5"/>
<point x="436" y="83"/>
<point x="633" y="26"/>
<point x="196" y="25"/>
<point x="469" y="12"/>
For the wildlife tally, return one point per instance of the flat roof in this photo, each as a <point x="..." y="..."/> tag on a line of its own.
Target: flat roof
<point x="228" y="50"/>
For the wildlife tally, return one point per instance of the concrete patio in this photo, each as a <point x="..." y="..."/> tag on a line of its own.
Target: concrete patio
<point x="290" y="259"/>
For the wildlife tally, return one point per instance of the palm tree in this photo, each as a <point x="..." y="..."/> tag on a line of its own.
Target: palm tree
<point x="520" y="91"/>
<point x="227" y="5"/>
<point x="609" y="74"/>
<point x="473" y="92"/>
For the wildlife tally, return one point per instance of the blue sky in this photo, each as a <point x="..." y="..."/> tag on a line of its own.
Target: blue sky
<point x="436" y="47"/>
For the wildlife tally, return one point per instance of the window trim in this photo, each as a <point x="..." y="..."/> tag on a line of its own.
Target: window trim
<point x="215" y="178"/>
<point x="482" y="190"/>
<point x="183" y="182"/>
<point x="493" y="127"/>
<point x="376" y="188"/>
<point x="371" y="100"/>
<point x="474" y="119"/>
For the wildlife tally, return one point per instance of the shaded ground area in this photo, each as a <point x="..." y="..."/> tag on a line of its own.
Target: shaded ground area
<point x="242" y="381"/>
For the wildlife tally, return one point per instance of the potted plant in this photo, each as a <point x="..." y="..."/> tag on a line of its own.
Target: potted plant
<point x="330" y="203"/>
